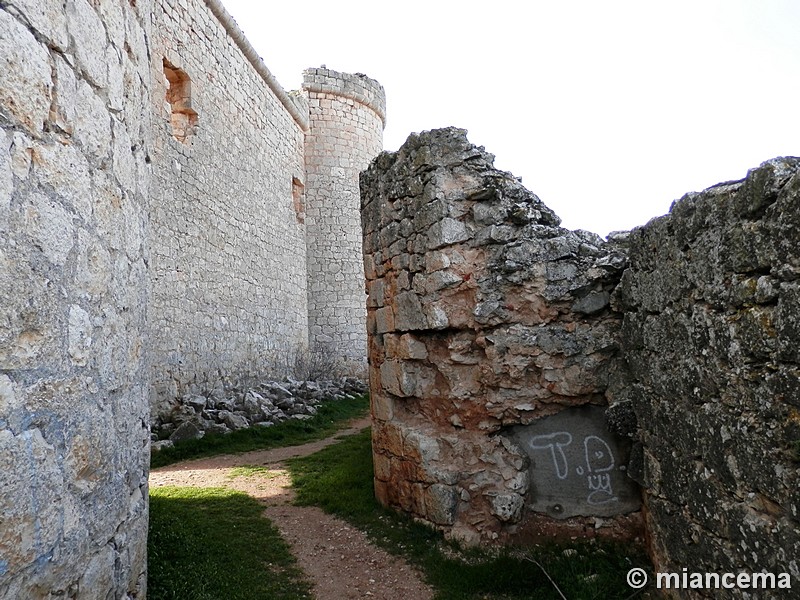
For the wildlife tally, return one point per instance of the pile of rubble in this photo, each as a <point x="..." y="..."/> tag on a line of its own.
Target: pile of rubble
<point x="262" y="405"/>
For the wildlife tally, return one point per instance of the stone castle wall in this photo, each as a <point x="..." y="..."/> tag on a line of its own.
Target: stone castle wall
<point x="488" y="324"/>
<point x="228" y="241"/>
<point x="347" y="114"/>
<point x="711" y="336"/>
<point x="153" y="230"/>
<point x="74" y="439"/>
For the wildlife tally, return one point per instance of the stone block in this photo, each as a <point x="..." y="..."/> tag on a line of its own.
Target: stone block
<point x="440" y="503"/>
<point x="80" y="335"/>
<point x="66" y="86"/>
<point x="48" y="18"/>
<point x="591" y="303"/>
<point x="92" y="122"/>
<point x="89" y="36"/>
<point x="408" y="314"/>
<point x="52" y="227"/>
<point x="66" y="171"/>
<point x="507" y="507"/>
<point x="188" y="430"/>
<point x="382" y="407"/>
<point x="384" y="320"/>
<point x="405" y="346"/>
<point x="399" y="378"/>
<point x="446" y="233"/>
<point x="25" y="79"/>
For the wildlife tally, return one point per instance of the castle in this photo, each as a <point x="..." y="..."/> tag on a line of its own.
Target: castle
<point x="170" y="217"/>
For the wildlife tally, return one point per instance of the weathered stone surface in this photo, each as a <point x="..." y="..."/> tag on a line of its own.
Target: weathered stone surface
<point x="48" y="18"/>
<point x="25" y="76"/>
<point x="92" y="122"/>
<point x="89" y="37"/>
<point x="254" y="247"/>
<point x="6" y="181"/>
<point x="74" y="440"/>
<point x="499" y="318"/>
<point x="710" y="341"/>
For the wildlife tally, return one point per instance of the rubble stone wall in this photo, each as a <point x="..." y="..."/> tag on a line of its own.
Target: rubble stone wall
<point x="496" y="338"/>
<point x="347" y="114"/>
<point x="228" y="240"/>
<point x="74" y="440"/>
<point x="711" y="336"/>
<point x="484" y="316"/>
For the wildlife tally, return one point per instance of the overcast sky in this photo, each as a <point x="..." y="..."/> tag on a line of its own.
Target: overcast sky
<point x="608" y="110"/>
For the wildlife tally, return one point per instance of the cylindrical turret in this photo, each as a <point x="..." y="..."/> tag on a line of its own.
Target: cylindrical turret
<point x="347" y="114"/>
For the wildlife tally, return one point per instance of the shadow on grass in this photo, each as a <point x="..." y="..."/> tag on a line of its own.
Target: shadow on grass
<point x="214" y="543"/>
<point x="339" y="480"/>
<point x="330" y="416"/>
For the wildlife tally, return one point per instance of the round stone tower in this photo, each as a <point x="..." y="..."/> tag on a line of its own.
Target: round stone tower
<point x="347" y="114"/>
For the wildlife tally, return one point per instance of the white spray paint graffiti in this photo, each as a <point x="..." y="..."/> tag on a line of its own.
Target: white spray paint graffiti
<point x="599" y="463"/>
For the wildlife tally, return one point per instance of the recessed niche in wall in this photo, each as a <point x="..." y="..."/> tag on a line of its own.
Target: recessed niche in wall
<point x="179" y="96"/>
<point x="298" y="199"/>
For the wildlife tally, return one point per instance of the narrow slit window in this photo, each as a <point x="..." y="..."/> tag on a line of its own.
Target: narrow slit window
<point x="179" y="95"/>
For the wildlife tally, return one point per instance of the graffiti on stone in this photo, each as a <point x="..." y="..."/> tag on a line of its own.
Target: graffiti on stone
<point x="577" y="466"/>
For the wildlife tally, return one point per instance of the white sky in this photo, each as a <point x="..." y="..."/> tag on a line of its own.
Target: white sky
<point x="608" y="109"/>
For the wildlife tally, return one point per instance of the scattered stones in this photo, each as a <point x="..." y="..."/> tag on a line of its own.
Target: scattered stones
<point x="264" y="404"/>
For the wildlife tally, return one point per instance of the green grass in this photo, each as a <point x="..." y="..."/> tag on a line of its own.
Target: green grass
<point x="329" y="418"/>
<point x="339" y="480"/>
<point x="251" y="471"/>
<point x="213" y="543"/>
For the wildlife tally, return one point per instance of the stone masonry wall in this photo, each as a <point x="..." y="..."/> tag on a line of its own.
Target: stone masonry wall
<point x="74" y="441"/>
<point x="711" y="336"/>
<point x="347" y="114"/>
<point x="228" y="245"/>
<point x="486" y="318"/>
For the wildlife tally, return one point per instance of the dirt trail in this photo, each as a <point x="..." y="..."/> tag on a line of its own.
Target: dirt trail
<point x="339" y="559"/>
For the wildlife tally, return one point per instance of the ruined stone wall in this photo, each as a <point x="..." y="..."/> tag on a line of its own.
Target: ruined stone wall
<point x="712" y="338"/>
<point x="347" y="114"/>
<point x="74" y="441"/>
<point x="486" y="322"/>
<point x="496" y="339"/>
<point x="228" y="252"/>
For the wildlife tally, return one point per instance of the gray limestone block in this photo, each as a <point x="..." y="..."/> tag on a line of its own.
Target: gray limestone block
<point x="507" y="507"/>
<point x="188" y="430"/>
<point x="440" y="503"/>
<point x="408" y="313"/>
<point x="446" y="232"/>
<point x="25" y="80"/>
<point x="235" y="421"/>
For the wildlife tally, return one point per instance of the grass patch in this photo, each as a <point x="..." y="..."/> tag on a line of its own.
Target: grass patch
<point x="212" y="543"/>
<point x="329" y="417"/>
<point x="339" y="480"/>
<point x="252" y="471"/>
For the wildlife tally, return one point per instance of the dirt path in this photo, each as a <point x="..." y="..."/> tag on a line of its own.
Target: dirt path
<point x="339" y="559"/>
